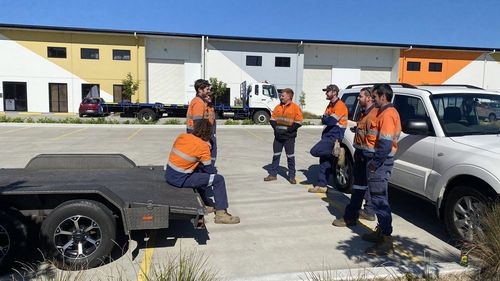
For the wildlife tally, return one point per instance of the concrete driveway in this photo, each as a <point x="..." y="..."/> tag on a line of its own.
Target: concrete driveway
<point x="283" y="228"/>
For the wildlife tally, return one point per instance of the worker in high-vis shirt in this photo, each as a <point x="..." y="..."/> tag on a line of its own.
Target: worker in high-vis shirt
<point x="381" y="145"/>
<point x="335" y="121"/>
<point x="353" y="210"/>
<point x="286" y="119"/>
<point x="200" y="108"/>
<point x="190" y="165"/>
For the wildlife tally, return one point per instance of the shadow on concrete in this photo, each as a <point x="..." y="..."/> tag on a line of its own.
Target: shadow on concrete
<point x="282" y="171"/>
<point x="311" y="175"/>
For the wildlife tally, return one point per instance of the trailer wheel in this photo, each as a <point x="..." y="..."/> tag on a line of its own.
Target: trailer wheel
<point x="147" y="115"/>
<point x="79" y="234"/>
<point x="13" y="237"/>
<point x="261" y="117"/>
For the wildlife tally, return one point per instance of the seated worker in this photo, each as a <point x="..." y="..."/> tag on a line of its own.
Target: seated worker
<point x="189" y="165"/>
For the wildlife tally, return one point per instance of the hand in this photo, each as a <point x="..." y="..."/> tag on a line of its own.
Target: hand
<point x="371" y="167"/>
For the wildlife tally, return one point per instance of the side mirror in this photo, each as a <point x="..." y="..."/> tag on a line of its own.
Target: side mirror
<point x="416" y="127"/>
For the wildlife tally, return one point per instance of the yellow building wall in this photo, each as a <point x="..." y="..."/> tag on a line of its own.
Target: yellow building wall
<point x="105" y="71"/>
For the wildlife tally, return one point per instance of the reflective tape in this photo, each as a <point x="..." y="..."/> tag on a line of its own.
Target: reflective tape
<point x="277" y="154"/>
<point x="359" y="187"/>
<point x="178" y="169"/>
<point x="206" y="163"/>
<point x="282" y="127"/>
<point x="211" y="179"/>
<point x="290" y="155"/>
<point x="184" y="156"/>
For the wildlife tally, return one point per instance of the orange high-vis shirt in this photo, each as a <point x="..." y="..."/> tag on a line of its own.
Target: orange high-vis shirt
<point x="286" y="115"/>
<point x="198" y="110"/>
<point x="338" y="110"/>
<point x="384" y="130"/>
<point x="363" y="127"/>
<point x="188" y="151"/>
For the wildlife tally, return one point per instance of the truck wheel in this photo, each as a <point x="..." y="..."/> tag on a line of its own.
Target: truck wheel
<point x="147" y="115"/>
<point x="344" y="176"/>
<point x="492" y="117"/>
<point x="13" y="238"/>
<point x="261" y="117"/>
<point x="464" y="208"/>
<point x="79" y="234"/>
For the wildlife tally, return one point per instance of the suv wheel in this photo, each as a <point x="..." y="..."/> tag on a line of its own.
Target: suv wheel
<point x="344" y="175"/>
<point x="492" y="117"/>
<point x="79" y="233"/>
<point x="13" y="237"/>
<point x="463" y="211"/>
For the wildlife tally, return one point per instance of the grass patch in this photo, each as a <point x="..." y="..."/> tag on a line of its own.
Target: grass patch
<point x="172" y="122"/>
<point x="232" y="122"/>
<point x="247" y="122"/>
<point x="309" y="115"/>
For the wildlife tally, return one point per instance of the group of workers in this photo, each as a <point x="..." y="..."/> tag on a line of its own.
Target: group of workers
<point x="192" y="159"/>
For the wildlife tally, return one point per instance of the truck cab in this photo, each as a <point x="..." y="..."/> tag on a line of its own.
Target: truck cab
<point x="261" y="99"/>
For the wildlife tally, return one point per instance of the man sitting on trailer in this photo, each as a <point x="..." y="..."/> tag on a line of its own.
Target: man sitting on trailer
<point x="189" y="165"/>
<point x="201" y="108"/>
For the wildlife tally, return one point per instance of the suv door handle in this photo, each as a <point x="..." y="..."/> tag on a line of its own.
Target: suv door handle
<point x="263" y="99"/>
<point x="440" y="154"/>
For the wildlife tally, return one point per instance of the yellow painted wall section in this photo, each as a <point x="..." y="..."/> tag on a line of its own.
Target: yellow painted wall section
<point x="105" y="71"/>
<point x="453" y="62"/>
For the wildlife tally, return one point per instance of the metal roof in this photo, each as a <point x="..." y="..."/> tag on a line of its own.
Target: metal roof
<point x="240" y="38"/>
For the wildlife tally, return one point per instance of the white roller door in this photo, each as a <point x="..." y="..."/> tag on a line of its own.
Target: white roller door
<point x="315" y="79"/>
<point x="375" y="75"/>
<point x="166" y="81"/>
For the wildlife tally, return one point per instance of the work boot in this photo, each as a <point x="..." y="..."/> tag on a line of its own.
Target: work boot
<point x="223" y="217"/>
<point x="270" y="178"/>
<point x="363" y="214"/>
<point x="318" y="189"/>
<point x="209" y="209"/>
<point x="374" y="236"/>
<point x="343" y="223"/>
<point x="382" y="248"/>
<point x="292" y="181"/>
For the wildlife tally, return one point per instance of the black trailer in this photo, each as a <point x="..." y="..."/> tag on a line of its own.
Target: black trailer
<point x="80" y="201"/>
<point x="143" y="111"/>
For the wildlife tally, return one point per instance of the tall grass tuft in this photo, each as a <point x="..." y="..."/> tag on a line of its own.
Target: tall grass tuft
<point x="190" y="266"/>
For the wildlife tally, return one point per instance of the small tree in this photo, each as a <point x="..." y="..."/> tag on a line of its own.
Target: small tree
<point x="302" y="99"/>
<point x="218" y="87"/>
<point x="130" y="87"/>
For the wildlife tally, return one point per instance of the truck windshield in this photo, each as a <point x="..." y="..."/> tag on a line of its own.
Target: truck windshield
<point x="468" y="114"/>
<point x="270" y="91"/>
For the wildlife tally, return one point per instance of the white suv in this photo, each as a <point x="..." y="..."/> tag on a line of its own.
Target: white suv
<point x="447" y="153"/>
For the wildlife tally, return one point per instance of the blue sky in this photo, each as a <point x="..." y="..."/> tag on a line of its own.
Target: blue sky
<point x="471" y="23"/>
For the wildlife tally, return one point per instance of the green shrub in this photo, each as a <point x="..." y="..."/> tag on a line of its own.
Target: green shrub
<point x="29" y="120"/>
<point x="247" y="122"/>
<point x="307" y="123"/>
<point x="46" y="120"/>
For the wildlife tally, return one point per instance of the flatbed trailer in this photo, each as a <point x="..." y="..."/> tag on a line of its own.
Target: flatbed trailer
<point x="80" y="201"/>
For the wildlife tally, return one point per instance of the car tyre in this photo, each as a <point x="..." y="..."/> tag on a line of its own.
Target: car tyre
<point x="79" y="234"/>
<point x="261" y="117"/>
<point x="147" y="115"/>
<point x="492" y="117"/>
<point x="13" y="238"/>
<point x="343" y="176"/>
<point x="463" y="210"/>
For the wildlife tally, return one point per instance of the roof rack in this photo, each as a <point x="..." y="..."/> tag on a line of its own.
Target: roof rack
<point x="454" y="85"/>
<point x="402" y="85"/>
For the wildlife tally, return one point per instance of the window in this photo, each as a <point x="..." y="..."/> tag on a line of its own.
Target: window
<point x="117" y="94"/>
<point x="89" y="54"/>
<point x="411" y="108"/>
<point x="58" y="97"/>
<point x="435" y="67"/>
<point x="121" y="54"/>
<point x="351" y="101"/>
<point x="254" y="61"/>
<point x="270" y="91"/>
<point x="15" y="96"/>
<point x="413" y="66"/>
<point x="56" y="52"/>
<point x="282" y="62"/>
<point x="90" y="90"/>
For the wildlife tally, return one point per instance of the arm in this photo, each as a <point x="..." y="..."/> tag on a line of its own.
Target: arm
<point x="331" y="120"/>
<point x="198" y="111"/>
<point x="388" y="131"/>
<point x="206" y="160"/>
<point x="297" y="122"/>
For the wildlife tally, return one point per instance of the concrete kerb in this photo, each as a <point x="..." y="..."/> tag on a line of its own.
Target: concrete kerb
<point x="62" y="125"/>
<point x="370" y="273"/>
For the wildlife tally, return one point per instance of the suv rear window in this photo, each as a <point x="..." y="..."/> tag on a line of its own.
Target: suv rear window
<point x="351" y="101"/>
<point x="91" y="101"/>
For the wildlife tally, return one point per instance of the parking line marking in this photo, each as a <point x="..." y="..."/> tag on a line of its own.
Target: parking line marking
<point x="145" y="266"/>
<point x="68" y="134"/>
<point x="255" y="135"/>
<point x="14" y="130"/>
<point x="397" y="248"/>
<point x="134" y="134"/>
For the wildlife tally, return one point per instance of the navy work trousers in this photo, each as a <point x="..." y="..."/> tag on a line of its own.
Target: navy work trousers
<point x="278" y="145"/>
<point x="323" y="149"/>
<point x="209" y="185"/>
<point x="359" y="188"/>
<point x="378" y="182"/>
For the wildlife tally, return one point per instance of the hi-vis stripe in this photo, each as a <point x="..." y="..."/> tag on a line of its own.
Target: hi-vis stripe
<point x="185" y="156"/>
<point x="178" y="169"/>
